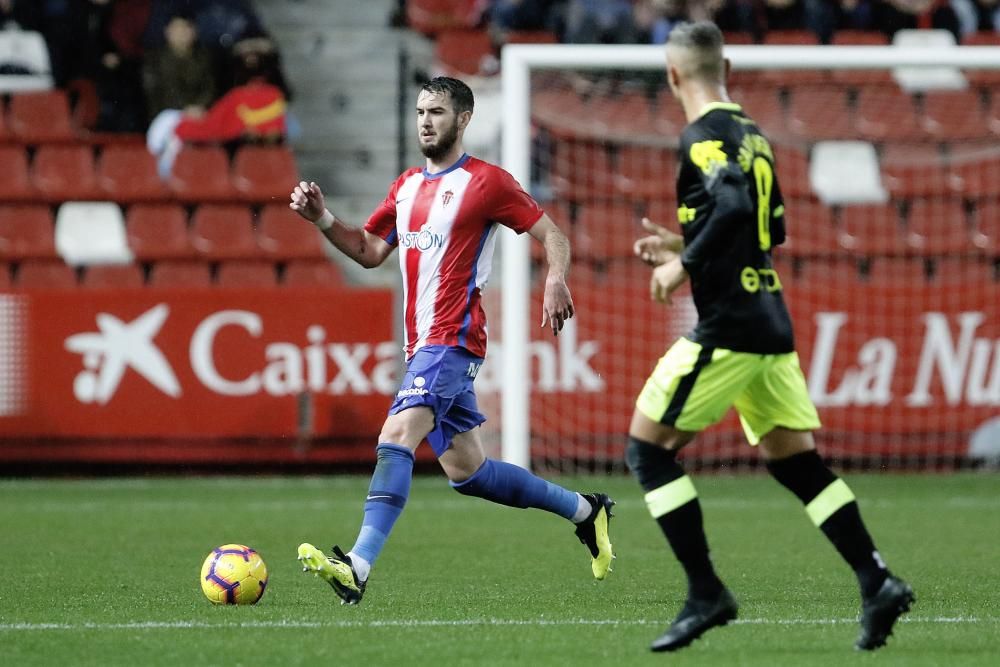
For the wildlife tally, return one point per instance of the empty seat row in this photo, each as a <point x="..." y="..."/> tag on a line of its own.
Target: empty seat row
<point x="812" y="113"/>
<point x="156" y="231"/>
<point x="127" y="173"/>
<point x="54" y="274"/>
<point x="588" y="171"/>
<point x="922" y="227"/>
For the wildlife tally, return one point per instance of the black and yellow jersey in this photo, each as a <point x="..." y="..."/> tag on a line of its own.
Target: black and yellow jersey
<point x="732" y="214"/>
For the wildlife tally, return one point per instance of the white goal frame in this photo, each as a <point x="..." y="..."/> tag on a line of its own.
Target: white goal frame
<point x="517" y="63"/>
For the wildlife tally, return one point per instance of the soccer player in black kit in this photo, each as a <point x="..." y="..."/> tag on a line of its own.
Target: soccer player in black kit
<point x="741" y="353"/>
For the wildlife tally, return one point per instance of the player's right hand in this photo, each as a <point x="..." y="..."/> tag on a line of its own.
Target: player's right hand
<point x="308" y="201"/>
<point x="658" y="248"/>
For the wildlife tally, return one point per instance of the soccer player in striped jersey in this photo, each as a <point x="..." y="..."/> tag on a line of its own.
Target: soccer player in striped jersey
<point x="741" y="353"/>
<point x="444" y="218"/>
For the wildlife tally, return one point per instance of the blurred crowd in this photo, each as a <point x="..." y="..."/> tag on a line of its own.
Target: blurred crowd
<point x="200" y="59"/>
<point x="650" y="21"/>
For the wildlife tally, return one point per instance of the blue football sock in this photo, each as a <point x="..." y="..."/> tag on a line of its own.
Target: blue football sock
<point x="511" y="485"/>
<point x="387" y="494"/>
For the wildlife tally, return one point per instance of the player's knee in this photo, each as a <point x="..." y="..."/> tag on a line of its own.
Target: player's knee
<point x="651" y="464"/>
<point x="407" y="428"/>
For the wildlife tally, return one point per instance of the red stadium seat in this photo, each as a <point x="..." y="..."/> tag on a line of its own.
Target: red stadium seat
<point x="662" y="211"/>
<point x="986" y="228"/>
<point x="158" y="231"/>
<point x="127" y="173"/>
<point x="52" y="274"/>
<point x="530" y="37"/>
<point x="221" y="231"/>
<point x="872" y="229"/>
<point x="170" y="273"/>
<point x="63" y="173"/>
<point x="886" y="113"/>
<point x="818" y="113"/>
<point x="645" y="172"/>
<point x="810" y="230"/>
<point x="993" y="114"/>
<point x="40" y="117"/>
<point x="432" y="16"/>
<point x="27" y="232"/>
<point x="668" y="117"/>
<point x="896" y="271"/>
<point x="626" y="116"/>
<point x="313" y="273"/>
<point x="964" y="272"/>
<point x="283" y="234"/>
<point x="581" y="171"/>
<point x="201" y="174"/>
<point x="982" y="77"/>
<point x="762" y="102"/>
<point x="974" y="170"/>
<point x="562" y="112"/>
<point x="244" y="273"/>
<point x="858" y="77"/>
<point x="605" y="232"/>
<point x="463" y="51"/>
<point x="938" y="226"/>
<point x="734" y="38"/>
<point x="792" y="77"/>
<point x="954" y="114"/>
<point x="792" y="166"/>
<point x="15" y="183"/>
<point x="264" y="173"/>
<point x="914" y="170"/>
<point x="113" y="276"/>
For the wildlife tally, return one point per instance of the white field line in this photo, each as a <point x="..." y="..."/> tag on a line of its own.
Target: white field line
<point x="433" y="623"/>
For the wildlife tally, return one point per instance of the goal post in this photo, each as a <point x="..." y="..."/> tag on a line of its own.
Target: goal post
<point x="521" y="62"/>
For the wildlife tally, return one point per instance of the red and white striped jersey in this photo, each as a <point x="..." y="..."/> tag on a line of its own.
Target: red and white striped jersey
<point x="445" y="226"/>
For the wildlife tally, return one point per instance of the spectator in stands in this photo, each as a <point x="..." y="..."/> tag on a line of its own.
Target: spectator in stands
<point x="119" y="72"/>
<point x="601" y="22"/>
<point x="890" y="16"/>
<point x="986" y="15"/>
<point x="255" y="110"/>
<point x="181" y="75"/>
<point x="508" y="15"/>
<point x="24" y="14"/>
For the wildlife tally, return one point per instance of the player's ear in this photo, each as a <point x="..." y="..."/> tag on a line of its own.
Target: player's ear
<point x="463" y="119"/>
<point x="727" y="67"/>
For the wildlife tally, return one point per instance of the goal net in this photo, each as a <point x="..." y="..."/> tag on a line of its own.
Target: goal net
<point x="889" y="162"/>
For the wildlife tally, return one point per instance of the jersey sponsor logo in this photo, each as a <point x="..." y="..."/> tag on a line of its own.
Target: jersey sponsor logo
<point x="423" y="240"/>
<point x="117" y="347"/>
<point x="686" y="214"/>
<point x="446" y="197"/>
<point x="753" y="280"/>
<point x="753" y="145"/>
<point x="708" y="156"/>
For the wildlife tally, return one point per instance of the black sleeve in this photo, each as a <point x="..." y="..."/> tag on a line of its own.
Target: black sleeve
<point x="732" y="207"/>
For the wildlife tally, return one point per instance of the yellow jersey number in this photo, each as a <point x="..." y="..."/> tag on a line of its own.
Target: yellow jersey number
<point x="763" y="175"/>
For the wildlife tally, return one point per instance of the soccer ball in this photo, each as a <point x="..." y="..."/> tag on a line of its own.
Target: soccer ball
<point x="233" y="574"/>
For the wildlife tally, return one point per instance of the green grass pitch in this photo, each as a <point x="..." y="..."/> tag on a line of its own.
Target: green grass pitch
<point x="105" y="572"/>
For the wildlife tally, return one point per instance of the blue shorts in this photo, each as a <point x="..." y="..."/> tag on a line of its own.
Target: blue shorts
<point x="440" y="377"/>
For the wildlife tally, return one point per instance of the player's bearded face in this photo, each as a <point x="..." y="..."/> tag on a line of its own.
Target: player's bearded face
<point x="437" y="126"/>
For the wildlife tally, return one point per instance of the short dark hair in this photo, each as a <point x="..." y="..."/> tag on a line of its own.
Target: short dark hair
<point x="704" y="40"/>
<point x="461" y="94"/>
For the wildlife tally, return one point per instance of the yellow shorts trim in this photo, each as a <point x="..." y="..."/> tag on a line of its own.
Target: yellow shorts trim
<point x="829" y="500"/>
<point x="670" y="496"/>
<point x="692" y="387"/>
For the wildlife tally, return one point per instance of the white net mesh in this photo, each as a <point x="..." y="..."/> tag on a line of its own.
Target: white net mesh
<point x="890" y="269"/>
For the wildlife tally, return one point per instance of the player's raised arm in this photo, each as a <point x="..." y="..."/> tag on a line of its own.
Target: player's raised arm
<point x="362" y="246"/>
<point x="557" y="304"/>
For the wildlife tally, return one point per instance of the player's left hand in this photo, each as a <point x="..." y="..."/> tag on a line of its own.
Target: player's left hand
<point x="666" y="279"/>
<point x="557" y="305"/>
